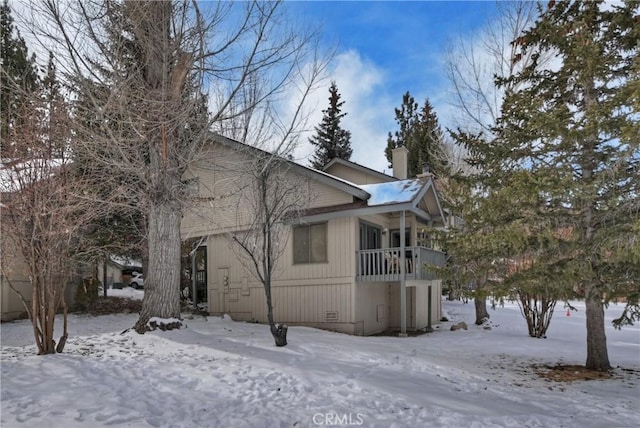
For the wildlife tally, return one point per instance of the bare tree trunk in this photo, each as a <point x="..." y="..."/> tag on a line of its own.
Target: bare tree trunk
<point x="481" y="310"/>
<point x="278" y="331"/>
<point x="162" y="284"/>
<point x="537" y="310"/>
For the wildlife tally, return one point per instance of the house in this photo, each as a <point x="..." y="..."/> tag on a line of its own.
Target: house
<point x="118" y="270"/>
<point x="354" y="261"/>
<point x="14" y="273"/>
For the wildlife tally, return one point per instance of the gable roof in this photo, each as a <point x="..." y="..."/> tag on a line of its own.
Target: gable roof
<point x="322" y="177"/>
<point x="358" y="167"/>
<point x="391" y="196"/>
<point x="400" y="195"/>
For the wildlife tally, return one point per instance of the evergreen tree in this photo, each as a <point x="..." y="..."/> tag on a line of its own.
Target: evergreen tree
<point x="504" y="250"/>
<point x="420" y="133"/>
<point x="428" y="144"/>
<point x="331" y="141"/>
<point x="18" y="79"/>
<point x="57" y="124"/>
<point x="564" y="165"/>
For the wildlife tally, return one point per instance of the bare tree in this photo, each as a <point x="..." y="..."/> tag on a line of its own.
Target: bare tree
<point x="42" y="219"/>
<point x="274" y="198"/>
<point x="473" y="64"/>
<point x="141" y="70"/>
<point x="265" y="186"/>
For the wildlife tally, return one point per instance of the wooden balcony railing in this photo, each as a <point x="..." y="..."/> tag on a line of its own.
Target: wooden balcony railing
<point x="382" y="265"/>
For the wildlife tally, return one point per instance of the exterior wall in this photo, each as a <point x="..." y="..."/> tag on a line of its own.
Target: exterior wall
<point x="372" y="307"/>
<point x="114" y="273"/>
<point x="394" y="311"/>
<point x="11" y="306"/>
<point x="417" y="304"/>
<point x="422" y="303"/>
<point x="353" y="175"/>
<point x="10" y="303"/>
<point x="316" y="294"/>
<point x="222" y="176"/>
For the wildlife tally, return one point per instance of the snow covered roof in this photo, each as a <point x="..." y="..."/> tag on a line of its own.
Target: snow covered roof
<point x="417" y="195"/>
<point x="394" y="192"/>
<point x="125" y="261"/>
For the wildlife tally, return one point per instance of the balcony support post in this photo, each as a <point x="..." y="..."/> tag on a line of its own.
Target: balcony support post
<point x="403" y="279"/>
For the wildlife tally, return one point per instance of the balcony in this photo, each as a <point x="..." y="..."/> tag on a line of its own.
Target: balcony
<point x="383" y="265"/>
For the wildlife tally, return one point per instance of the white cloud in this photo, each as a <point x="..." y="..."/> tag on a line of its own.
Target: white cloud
<point x="361" y="84"/>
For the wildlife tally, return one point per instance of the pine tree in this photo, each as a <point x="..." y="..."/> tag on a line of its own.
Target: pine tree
<point x="566" y="158"/>
<point x="58" y="132"/>
<point x="428" y="144"/>
<point x="18" y="79"/>
<point x="331" y="141"/>
<point x="421" y="134"/>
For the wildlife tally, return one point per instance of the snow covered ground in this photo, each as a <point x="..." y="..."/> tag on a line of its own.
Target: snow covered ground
<point x="220" y="373"/>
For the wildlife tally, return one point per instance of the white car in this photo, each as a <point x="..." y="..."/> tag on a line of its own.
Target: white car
<point x="137" y="280"/>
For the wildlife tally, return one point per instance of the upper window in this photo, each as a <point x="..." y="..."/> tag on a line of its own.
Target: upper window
<point x="310" y="243"/>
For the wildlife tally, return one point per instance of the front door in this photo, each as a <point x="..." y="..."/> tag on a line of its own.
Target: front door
<point x="371" y="262"/>
<point x="201" y="274"/>
<point x="370" y="236"/>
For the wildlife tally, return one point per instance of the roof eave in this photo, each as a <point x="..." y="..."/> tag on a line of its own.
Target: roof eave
<point x="377" y="209"/>
<point x="382" y="176"/>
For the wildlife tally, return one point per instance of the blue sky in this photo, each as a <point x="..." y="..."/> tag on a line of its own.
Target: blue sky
<point x="383" y="50"/>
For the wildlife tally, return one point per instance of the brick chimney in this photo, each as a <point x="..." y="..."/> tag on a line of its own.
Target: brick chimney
<point x="399" y="157"/>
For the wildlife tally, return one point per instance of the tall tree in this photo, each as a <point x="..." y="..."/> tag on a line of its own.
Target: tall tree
<point x="428" y="144"/>
<point x="570" y="133"/>
<point x="472" y="65"/>
<point x="57" y="111"/>
<point x="141" y="68"/>
<point x="420" y="133"/>
<point x="331" y="140"/>
<point x="18" y="80"/>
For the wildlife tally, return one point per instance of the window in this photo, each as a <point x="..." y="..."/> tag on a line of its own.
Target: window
<point x="310" y="243"/>
<point x="395" y="238"/>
